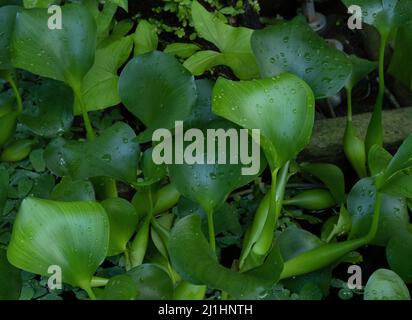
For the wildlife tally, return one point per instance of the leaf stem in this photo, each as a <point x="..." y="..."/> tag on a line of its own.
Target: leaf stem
<point x="90" y="292"/>
<point x="16" y="93"/>
<point x="375" y="131"/>
<point x="89" y="129"/>
<point x="98" y="282"/>
<point x="325" y="255"/>
<point x="211" y="228"/>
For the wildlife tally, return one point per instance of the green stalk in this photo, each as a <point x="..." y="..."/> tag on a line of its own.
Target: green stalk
<point x="211" y="228"/>
<point x="374" y="134"/>
<point x="98" y="282"/>
<point x="16" y="93"/>
<point x="90" y="292"/>
<point x="353" y="146"/>
<point x="325" y="255"/>
<point x="89" y="129"/>
<point x="138" y="247"/>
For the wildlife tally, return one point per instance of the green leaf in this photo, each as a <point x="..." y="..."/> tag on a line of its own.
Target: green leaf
<point x="100" y="85"/>
<point x="294" y="47"/>
<point x="145" y="38"/>
<point x="378" y="160"/>
<point x="152" y="282"/>
<point x="400" y="185"/>
<point x="120" y="287"/>
<point x="181" y="50"/>
<point x="331" y="176"/>
<point x="49" y="112"/>
<point x="398" y="253"/>
<point x="124" y="4"/>
<point x="233" y="43"/>
<point x="69" y="190"/>
<point x="400" y="67"/>
<point x="385" y="284"/>
<point x="17" y="150"/>
<point x="66" y="54"/>
<point x="384" y="15"/>
<point x="195" y="262"/>
<point x="8" y="124"/>
<point x="360" y="68"/>
<point x="7" y="19"/>
<point x="71" y="235"/>
<point x="156" y="84"/>
<point x="393" y="216"/>
<point x="205" y="60"/>
<point x="401" y="160"/>
<point x="10" y="279"/>
<point x="295" y="241"/>
<point x="210" y="184"/>
<point x="123" y="220"/>
<point x="112" y="154"/>
<point x="38" y="3"/>
<point x="281" y="107"/>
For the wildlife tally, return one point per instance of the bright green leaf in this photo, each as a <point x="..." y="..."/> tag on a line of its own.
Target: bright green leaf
<point x="385" y="284"/>
<point x="145" y="38"/>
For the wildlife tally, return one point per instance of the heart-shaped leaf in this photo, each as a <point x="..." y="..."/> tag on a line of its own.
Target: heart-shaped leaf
<point x="233" y="43"/>
<point x="281" y="107"/>
<point x="120" y="287"/>
<point x="393" y="216"/>
<point x="360" y="68"/>
<point x="384" y="15"/>
<point x="158" y="90"/>
<point x="193" y="259"/>
<point x="210" y="184"/>
<point x="10" y="279"/>
<point x="7" y="19"/>
<point x="294" y="47"/>
<point x="399" y="253"/>
<point x="112" y="154"/>
<point x="123" y="220"/>
<point x="66" y="54"/>
<point x="49" y="112"/>
<point x="100" y="84"/>
<point x="71" y="235"/>
<point x="385" y="284"/>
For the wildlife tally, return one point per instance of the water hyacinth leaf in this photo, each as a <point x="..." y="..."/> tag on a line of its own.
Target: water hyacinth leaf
<point x="124" y="4"/>
<point x="294" y="241"/>
<point x="145" y="38"/>
<point x="400" y="161"/>
<point x="10" y="279"/>
<point x="112" y="154"/>
<point x="398" y="253"/>
<point x="17" y="150"/>
<point x="73" y="190"/>
<point x="123" y="220"/>
<point x="202" y="61"/>
<point x="384" y="15"/>
<point x="66" y="55"/>
<point x="331" y="176"/>
<point x="120" y="287"/>
<point x="281" y="107"/>
<point x="210" y="184"/>
<point x="400" y="67"/>
<point x="400" y="185"/>
<point x="233" y="43"/>
<point x="393" y="217"/>
<point x="181" y="50"/>
<point x="71" y="235"/>
<point x="152" y="282"/>
<point x="7" y="19"/>
<point x="152" y="172"/>
<point x="100" y="85"/>
<point x="195" y="262"/>
<point x="360" y="68"/>
<point x="38" y="3"/>
<point x="378" y="160"/>
<point x="49" y="113"/>
<point x="156" y="84"/>
<point x="385" y="284"/>
<point x="294" y="47"/>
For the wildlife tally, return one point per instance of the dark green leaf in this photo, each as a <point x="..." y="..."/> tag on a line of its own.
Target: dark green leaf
<point x="69" y="190"/>
<point x="399" y="253"/>
<point x="10" y="279"/>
